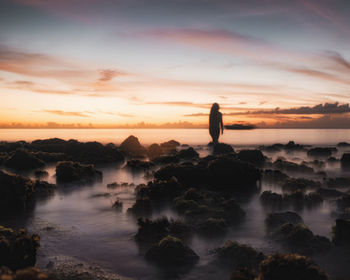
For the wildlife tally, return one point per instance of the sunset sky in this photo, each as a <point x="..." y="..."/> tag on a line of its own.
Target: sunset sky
<point x="113" y="63"/>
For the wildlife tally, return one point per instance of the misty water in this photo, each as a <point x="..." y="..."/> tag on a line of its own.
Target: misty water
<point x="79" y="222"/>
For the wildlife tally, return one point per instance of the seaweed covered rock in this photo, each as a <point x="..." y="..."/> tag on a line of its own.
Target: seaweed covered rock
<point x="212" y="227"/>
<point x="17" y="248"/>
<point x="171" y="251"/>
<point x="343" y="202"/>
<point x="131" y="146"/>
<point x="23" y="159"/>
<point x="330" y="193"/>
<point x="222" y="149"/>
<point x="15" y="192"/>
<point x="321" y="152"/>
<point x="29" y="273"/>
<point x="234" y="254"/>
<point x="290" y="267"/>
<point x="338" y="182"/>
<point x="300" y="238"/>
<point x="152" y="231"/>
<point x="68" y="171"/>
<point x="166" y="159"/>
<point x="341" y="232"/>
<point x="160" y="190"/>
<point x="252" y="156"/>
<point x="274" y="220"/>
<point x="142" y="207"/>
<point x="274" y="176"/>
<point x="293" y="184"/>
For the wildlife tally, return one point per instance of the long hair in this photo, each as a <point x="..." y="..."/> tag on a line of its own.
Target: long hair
<point x="214" y="111"/>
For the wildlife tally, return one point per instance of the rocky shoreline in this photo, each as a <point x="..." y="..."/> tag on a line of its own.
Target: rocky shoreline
<point x="205" y="192"/>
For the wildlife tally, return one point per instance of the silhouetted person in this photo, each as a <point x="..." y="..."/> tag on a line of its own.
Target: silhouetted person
<point x="215" y="123"/>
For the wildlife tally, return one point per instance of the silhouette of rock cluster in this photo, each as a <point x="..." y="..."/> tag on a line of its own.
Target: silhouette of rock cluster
<point x="68" y="171"/>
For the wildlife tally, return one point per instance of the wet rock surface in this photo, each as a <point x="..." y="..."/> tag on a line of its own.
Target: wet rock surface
<point x="68" y="171"/>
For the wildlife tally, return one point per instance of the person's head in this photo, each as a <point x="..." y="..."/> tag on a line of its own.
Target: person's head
<point x="215" y="107"/>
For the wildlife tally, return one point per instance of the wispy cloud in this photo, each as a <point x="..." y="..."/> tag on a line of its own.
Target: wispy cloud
<point x="67" y="114"/>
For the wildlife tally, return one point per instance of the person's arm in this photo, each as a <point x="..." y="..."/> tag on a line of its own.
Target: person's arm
<point x="221" y="124"/>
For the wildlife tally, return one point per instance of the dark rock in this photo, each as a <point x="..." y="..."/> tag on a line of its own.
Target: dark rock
<point x="53" y="145"/>
<point x="17" y="249"/>
<point x="16" y="192"/>
<point x="330" y="193"/>
<point x="243" y="274"/>
<point x="289" y="147"/>
<point x="343" y="145"/>
<point x="139" y="165"/>
<point x="275" y="220"/>
<point x="272" y="199"/>
<point x="68" y="171"/>
<point x="292" y="184"/>
<point x="132" y="147"/>
<point x="252" y="156"/>
<point x="212" y="227"/>
<point x="171" y="251"/>
<point x="300" y="238"/>
<point x="188" y="153"/>
<point x="222" y="148"/>
<point x="153" y="231"/>
<point x="166" y="159"/>
<point x="339" y="182"/>
<point x="41" y="174"/>
<point x="233" y="254"/>
<point x="23" y="159"/>
<point x="344" y="202"/>
<point x="182" y="205"/>
<point x="322" y="152"/>
<point x="290" y="267"/>
<point x="160" y="190"/>
<point x="299" y="200"/>
<point x="112" y="185"/>
<point x="291" y="167"/>
<point x="233" y="212"/>
<point x="44" y="188"/>
<point x="118" y="205"/>
<point x="29" y="273"/>
<point x="341" y="232"/>
<point x="274" y="176"/>
<point x="154" y="151"/>
<point x="51" y="157"/>
<point x="169" y="146"/>
<point x="345" y="160"/>
<point x="142" y="207"/>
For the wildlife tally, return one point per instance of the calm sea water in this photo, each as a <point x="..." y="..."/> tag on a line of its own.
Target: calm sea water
<point x="185" y="136"/>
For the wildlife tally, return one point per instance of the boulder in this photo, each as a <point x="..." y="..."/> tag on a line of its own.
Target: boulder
<point x="68" y="171"/>
<point x="300" y="238"/>
<point x="212" y="227"/>
<point x="341" y="232"/>
<point x="243" y="274"/>
<point x="269" y="198"/>
<point x="16" y="192"/>
<point x="132" y="147"/>
<point x="345" y="160"/>
<point x="139" y="165"/>
<point x="169" y="146"/>
<point x="152" y="231"/>
<point x="154" y="151"/>
<point x="275" y="220"/>
<point x="41" y="174"/>
<point x="293" y="184"/>
<point x="222" y="148"/>
<point x="23" y="159"/>
<point x="160" y="190"/>
<point x="173" y="252"/>
<point x="17" y="248"/>
<point x="290" y="267"/>
<point x="142" y="207"/>
<point x="188" y="153"/>
<point x="321" y="152"/>
<point x="234" y="254"/>
<point x="252" y="156"/>
<point x="29" y="273"/>
<point x="343" y="145"/>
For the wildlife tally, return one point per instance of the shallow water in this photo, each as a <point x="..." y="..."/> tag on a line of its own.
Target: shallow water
<point x="79" y="222"/>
